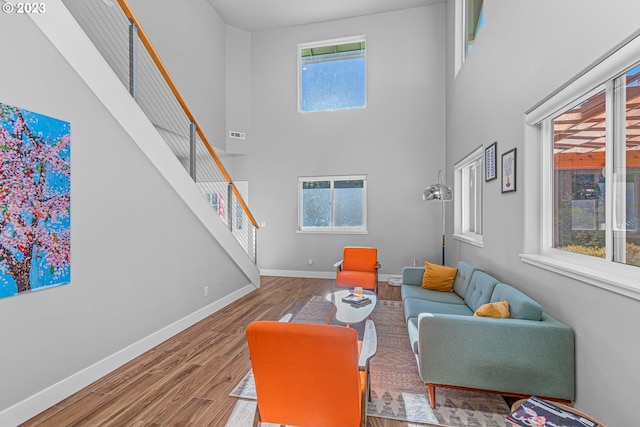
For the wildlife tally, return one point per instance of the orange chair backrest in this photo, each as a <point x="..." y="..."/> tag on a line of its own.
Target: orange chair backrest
<point x="306" y="375"/>
<point x="359" y="259"/>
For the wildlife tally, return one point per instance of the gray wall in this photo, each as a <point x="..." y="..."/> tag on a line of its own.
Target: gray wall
<point x="139" y="257"/>
<point x="397" y="140"/>
<point x="238" y="87"/>
<point x="190" y="40"/>
<point x="524" y="52"/>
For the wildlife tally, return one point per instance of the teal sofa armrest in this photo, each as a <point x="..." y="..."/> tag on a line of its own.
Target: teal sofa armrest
<point x="504" y="355"/>
<point x="412" y="276"/>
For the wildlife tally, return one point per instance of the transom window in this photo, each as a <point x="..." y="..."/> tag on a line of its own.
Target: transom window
<point x="332" y="204"/>
<point x="474" y="20"/>
<point x="332" y="75"/>
<point x="469" y="20"/>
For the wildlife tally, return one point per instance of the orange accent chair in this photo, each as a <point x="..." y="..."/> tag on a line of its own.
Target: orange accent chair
<point x="358" y="267"/>
<point x="310" y="375"/>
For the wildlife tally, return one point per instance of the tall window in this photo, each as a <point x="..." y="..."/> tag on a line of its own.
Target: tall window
<point x="332" y="204"/>
<point x="332" y="75"/>
<point x="468" y="178"/>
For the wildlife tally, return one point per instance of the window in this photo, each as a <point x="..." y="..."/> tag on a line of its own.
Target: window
<point x="332" y="204"/>
<point x="590" y="151"/>
<point x="474" y="20"/>
<point x="332" y="75"/>
<point x="468" y="178"/>
<point x="579" y="205"/>
<point x="469" y="22"/>
<point x="588" y="134"/>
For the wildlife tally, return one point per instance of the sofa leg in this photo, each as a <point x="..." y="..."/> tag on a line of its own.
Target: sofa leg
<point x="432" y="395"/>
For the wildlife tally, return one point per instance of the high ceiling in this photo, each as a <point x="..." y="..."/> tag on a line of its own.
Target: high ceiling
<point x="257" y="15"/>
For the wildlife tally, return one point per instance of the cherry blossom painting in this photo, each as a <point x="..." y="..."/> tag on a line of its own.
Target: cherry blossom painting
<point x="35" y="201"/>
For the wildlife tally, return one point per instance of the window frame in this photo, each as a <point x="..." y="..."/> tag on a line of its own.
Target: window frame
<point x="461" y="209"/>
<point x="332" y="229"/>
<point x="538" y="244"/>
<point x="326" y="43"/>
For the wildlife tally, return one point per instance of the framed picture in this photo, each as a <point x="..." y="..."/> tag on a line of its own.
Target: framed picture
<point x="509" y="171"/>
<point x="490" y="170"/>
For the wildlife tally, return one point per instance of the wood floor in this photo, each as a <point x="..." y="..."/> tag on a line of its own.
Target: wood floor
<point x="186" y="380"/>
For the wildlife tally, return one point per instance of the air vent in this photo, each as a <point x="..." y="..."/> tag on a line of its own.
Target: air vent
<point x="237" y="135"/>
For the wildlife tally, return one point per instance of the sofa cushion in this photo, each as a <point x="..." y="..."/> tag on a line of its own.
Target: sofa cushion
<point x="409" y="291"/>
<point x="438" y="277"/>
<point x="480" y="290"/>
<point x="498" y="310"/>
<point x="463" y="278"/>
<point x="413" y="307"/>
<point x="520" y="305"/>
<point x="412" y="276"/>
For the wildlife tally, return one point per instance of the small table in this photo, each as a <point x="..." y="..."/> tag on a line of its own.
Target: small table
<point x="350" y="313"/>
<point x="518" y="403"/>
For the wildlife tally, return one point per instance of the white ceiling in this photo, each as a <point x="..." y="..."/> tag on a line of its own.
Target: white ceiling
<point x="257" y="15"/>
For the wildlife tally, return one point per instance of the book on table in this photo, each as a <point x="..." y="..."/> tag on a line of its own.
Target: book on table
<point x="356" y="300"/>
<point x="541" y="413"/>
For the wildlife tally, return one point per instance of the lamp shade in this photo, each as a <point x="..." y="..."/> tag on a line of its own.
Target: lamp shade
<point x="438" y="192"/>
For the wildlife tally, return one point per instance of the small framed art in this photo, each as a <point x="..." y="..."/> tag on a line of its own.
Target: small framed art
<point x="509" y="171"/>
<point x="490" y="170"/>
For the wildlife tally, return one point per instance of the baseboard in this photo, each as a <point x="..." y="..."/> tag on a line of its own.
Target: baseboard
<point x="299" y="273"/>
<point x="315" y="274"/>
<point x="32" y="406"/>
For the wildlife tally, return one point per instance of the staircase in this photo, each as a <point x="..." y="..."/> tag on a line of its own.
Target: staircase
<point x="104" y="42"/>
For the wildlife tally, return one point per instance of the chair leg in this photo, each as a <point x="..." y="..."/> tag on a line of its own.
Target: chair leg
<point x="256" y="417"/>
<point x="432" y="395"/>
<point x="367" y="399"/>
<point x="331" y="313"/>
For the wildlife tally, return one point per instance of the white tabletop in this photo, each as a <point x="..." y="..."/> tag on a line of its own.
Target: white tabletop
<point x="351" y="313"/>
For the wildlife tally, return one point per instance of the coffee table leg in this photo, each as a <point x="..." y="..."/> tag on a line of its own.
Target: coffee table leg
<point x="331" y="313"/>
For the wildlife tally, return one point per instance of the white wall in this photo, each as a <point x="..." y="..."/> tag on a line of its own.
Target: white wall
<point x="524" y="52"/>
<point x="140" y="258"/>
<point x="397" y="140"/>
<point x="238" y="87"/>
<point x="190" y="40"/>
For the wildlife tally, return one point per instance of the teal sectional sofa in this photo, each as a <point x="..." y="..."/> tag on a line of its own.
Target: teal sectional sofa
<point x="530" y="353"/>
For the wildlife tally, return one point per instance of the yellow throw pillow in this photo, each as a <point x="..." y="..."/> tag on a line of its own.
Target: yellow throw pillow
<point x="494" y="309"/>
<point x="438" y="277"/>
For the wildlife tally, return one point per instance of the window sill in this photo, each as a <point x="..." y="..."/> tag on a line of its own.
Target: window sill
<point x="593" y="272"/>
<point x="331" y="231"/>
<point x="472" y="240"/>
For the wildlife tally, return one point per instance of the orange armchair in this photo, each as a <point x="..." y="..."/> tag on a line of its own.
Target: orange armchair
<point x="310" y="375"/>
<point x="358" y="267"/>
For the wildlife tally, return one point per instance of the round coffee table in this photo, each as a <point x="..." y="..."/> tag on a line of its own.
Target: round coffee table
<point x="351" y="313"/>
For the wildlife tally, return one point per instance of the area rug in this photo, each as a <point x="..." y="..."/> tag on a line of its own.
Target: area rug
<point x="397" y="391"/>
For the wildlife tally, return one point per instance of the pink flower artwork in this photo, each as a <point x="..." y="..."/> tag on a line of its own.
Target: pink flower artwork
<point x="35" y="201"/>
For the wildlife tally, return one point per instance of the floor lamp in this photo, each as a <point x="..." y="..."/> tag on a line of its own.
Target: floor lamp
<point x="439" y="193"/>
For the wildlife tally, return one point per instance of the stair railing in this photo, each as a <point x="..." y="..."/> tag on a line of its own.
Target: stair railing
<point x="142" y="71"/>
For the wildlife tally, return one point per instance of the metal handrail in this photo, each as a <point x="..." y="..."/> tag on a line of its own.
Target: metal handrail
<point x="124" y="5"/>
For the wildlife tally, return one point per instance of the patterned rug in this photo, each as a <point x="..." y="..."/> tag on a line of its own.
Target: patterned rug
<point x="397" y="390"/>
